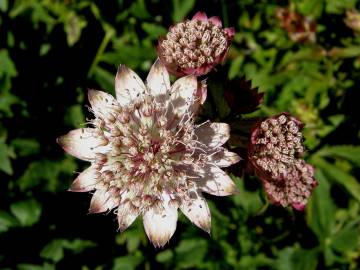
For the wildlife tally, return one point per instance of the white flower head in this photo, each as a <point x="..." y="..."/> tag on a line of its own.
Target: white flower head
<point x="147" y="156"/>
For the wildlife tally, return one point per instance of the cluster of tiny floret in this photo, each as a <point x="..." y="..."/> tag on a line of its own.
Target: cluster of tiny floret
<point x="193" y="43"/>
<point x="277" y="150"/>
<point x="148" y="154"/>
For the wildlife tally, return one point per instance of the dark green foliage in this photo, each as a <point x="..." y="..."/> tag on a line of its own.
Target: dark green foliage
<point x="52" y="51"/>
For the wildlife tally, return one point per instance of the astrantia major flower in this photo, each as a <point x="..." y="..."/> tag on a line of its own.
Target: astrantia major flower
<point x="195" y="46"/>
<point x="298" y="27"/>
<point x="148" y="157"/>
<point x="275" y="154"/>
<point x="352" y="20"/>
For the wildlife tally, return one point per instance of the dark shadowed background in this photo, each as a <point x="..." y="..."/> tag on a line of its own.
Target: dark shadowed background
<point x="51" y="52"/>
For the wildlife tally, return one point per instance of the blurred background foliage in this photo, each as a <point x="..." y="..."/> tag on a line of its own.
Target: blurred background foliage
<point x="52" y="51"/>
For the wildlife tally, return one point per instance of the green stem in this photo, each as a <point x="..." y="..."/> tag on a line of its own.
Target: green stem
<point x="108" y="34"/>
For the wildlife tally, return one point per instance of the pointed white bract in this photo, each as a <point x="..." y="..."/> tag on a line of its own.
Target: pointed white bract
<point x="160" y="223"/>
<point x="147" y="156"/>
<point x="158" y="82"/>
<point x="86" y="180"/>
<point x="102" y="103"/>
<point x="197" y="210"/>
<point x="83" y="143"/>
<point x="215" y="181"/>
<point x="126" y="214"/>
<point x="99" y="201"/>
<point x="182" y="94"/>
<point x="128" y="86"/>
<point x="223" y="158"/>
<point x="213" y="134"/>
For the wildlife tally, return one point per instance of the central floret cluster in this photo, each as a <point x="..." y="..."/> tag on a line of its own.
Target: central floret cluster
<point x="151" y="148"/>
<point x="275" y="152"/>
<point x="147" y="156"/>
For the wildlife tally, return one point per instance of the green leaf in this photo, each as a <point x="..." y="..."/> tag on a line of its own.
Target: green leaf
<point x="7" y="71"/>
<point x="7" y="221"/>
<point x="25" y="147"/>
<point x="333" y="172"/>
<point x="74" y="116"/>
<point x="104" y="78"/>
<point x="129" y="262"/>
<point x="297" y="259"/>
<point x="338" y="7"/>
<point x="4" y="5"/>
<point x="153" y="30"/>
<point x="5" y="153"/>
<point x="190" y="252"/>
<point x="138" y="10"/>
<point x="347" y="239"/>
<point x="27" y="212"/>
<point x="164" y="256"/>
<point x="45" y="266"/>
<point x="54" y="251"/>
<point x="319" y="210"/>
<point x="47" y="173"/>
<point x="250" y="201"/>
<point x="235" y="67"/>
<point x="254" y="262"/>
<point x="73" y="26"/>
<point x="348" y="152"/>
<point x="181" y="8"/>
<point x="7" y="67"/>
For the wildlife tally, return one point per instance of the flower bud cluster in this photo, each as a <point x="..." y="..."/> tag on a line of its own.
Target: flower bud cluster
<point x="195" y="46"/>
<point x="298" y="27"/>
<point x="194" y="43"/>
<point x="275" y="153"/>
